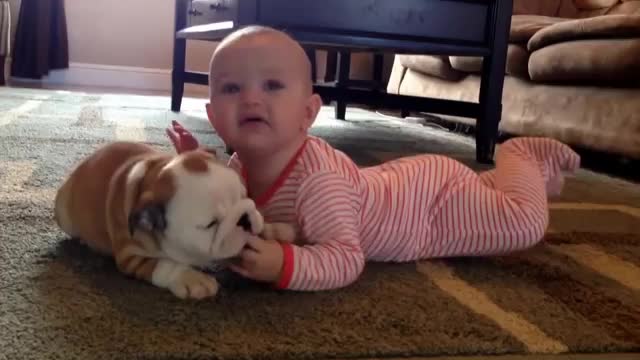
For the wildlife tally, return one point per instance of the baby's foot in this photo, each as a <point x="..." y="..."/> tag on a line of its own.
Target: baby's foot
<point x="556" y="159"/>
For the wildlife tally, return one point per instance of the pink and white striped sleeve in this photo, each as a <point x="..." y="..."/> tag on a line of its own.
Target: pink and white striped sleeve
<point x="327" y="206"/>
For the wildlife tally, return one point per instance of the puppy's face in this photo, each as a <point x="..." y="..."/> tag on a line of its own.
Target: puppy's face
<point x="196" y="208"/>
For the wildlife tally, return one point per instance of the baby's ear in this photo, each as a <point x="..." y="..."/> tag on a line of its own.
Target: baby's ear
<point x="210" y="116"/>
<point x="314" y="103"/>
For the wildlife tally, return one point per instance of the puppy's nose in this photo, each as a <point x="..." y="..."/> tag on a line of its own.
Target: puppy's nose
<point x="244" y="222"/>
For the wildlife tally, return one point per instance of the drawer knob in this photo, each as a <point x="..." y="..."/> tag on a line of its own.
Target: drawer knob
<point x="220" y="6"/>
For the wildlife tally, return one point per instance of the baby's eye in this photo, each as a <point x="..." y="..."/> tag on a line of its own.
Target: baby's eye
<point x="274" y="85"/>
<point x="229" y="88"/>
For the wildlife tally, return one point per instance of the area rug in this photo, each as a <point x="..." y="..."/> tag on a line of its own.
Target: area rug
<point x="578" y="292"/>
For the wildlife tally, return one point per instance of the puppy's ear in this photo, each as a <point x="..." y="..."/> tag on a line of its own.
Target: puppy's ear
<point x="146" y="212"/>
<point x="151" y="219"/>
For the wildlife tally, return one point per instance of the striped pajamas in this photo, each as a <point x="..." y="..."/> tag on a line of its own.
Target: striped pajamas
<point x="418" y="207"/>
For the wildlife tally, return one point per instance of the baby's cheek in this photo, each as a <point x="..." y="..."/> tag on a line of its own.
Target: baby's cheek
<point x="224" y="130"/>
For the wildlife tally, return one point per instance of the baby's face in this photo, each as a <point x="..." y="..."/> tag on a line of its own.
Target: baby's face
<point x="260" y="94"/>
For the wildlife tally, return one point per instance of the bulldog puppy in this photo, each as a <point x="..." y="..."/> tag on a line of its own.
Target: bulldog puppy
<point x="161" y="216"/>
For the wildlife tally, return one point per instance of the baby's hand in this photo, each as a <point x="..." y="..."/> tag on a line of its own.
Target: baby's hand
<point x="262" y="260"/>
<point x="181" y="138"/>
<point x="279" y="231"/>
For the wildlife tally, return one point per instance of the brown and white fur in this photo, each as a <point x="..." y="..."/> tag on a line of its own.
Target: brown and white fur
<point x="161" y="215"/>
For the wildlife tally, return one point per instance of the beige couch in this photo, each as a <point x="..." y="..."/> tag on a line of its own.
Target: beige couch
<point x="573" y="73"/>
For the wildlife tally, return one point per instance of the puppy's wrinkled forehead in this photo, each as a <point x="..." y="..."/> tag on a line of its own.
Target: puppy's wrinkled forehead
<point x="202" y="174"/>
<point x="159" y="176"/>
<point x="198" y="161"/>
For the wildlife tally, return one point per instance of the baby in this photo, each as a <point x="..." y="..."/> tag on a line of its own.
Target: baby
<point x="428" y="206"/>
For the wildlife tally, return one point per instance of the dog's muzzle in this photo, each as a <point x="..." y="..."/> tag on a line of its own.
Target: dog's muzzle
<point x="244" y="222"/>
<point x="243" y="214"/>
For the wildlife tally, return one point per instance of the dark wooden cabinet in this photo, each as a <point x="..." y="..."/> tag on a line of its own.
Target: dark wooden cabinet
<point x="444" y="20"/>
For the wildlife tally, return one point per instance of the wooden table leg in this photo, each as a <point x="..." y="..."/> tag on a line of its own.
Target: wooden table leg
<point x="344" y="70"/>
<point x="311" y="54"/>
<point x="2" y="75"/>
<point x="378" y="68"/>
<point x="179" y="56"/>
<point x="491" y="85"/>
<point x="177" y="74"/>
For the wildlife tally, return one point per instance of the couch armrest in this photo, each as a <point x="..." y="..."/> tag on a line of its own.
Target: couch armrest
<point x="397" y="74"/>
<point x="599" y="27"/>
<point x="523" y="27"/>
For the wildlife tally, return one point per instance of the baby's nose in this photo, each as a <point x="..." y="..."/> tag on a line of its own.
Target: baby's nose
<point x="251" y="94"/>
<point x="244" y="222"/>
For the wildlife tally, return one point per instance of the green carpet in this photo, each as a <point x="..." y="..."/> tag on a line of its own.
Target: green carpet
<point x="578" y="292"/>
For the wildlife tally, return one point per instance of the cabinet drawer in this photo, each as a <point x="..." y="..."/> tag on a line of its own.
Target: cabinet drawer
<point x="200" y="12"/>
<point x="453" y="20"/>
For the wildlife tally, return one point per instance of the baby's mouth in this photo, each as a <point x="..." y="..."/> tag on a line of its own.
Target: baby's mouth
<point x="252" y="120"/>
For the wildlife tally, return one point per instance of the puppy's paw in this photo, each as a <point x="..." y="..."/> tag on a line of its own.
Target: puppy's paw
<point x="183" y="281"/>
<point x="193" y="284"/>
<point x="257" y="222"/>
<point x="279" y="231"/>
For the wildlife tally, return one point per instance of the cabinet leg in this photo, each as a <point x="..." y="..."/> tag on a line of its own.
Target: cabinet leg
<point x="491" y="85"/>
<point x="177" y="74"/>
<point x="343" y="81"/>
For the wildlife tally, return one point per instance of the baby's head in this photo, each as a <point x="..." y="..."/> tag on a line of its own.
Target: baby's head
<point x="261" y="91"/>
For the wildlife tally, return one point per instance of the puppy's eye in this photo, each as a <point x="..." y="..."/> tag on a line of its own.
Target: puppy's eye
<point x="213" y="223"/>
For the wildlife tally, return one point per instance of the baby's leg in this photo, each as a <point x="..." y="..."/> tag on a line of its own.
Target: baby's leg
<point x="554" y="158"/>
<point x="511" y="214"/>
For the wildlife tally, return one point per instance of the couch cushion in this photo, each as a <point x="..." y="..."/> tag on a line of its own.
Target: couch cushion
<point x="613" y="62"/>
<point x="523" y="27"/>
<point x="538" y="7"/>
<point x="568" y="9"/>
<point x="432" y="65"/>
<point x="596" y="117"/>
<point x="627" y="7"/>
<point x="517" y="62"/>
<point x="469" y="64"/>
<point x="590" y="28"/>
<point x="593" y="4"/>
<point x="575" y="9"/>
<point x="594" y="12"/>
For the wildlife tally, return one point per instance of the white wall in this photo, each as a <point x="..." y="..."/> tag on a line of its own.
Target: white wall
<point x="138" y="34"/>
<point x="14" y="6"/>
<point x="127" y="33"/>
<point x="135" y="33"/>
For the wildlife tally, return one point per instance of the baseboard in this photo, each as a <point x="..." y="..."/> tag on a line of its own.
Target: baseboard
<point x="108" y="76"/>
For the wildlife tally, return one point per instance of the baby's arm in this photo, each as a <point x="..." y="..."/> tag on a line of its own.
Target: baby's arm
<point x="181" y="139"/>
<point x="327" y="206"/>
